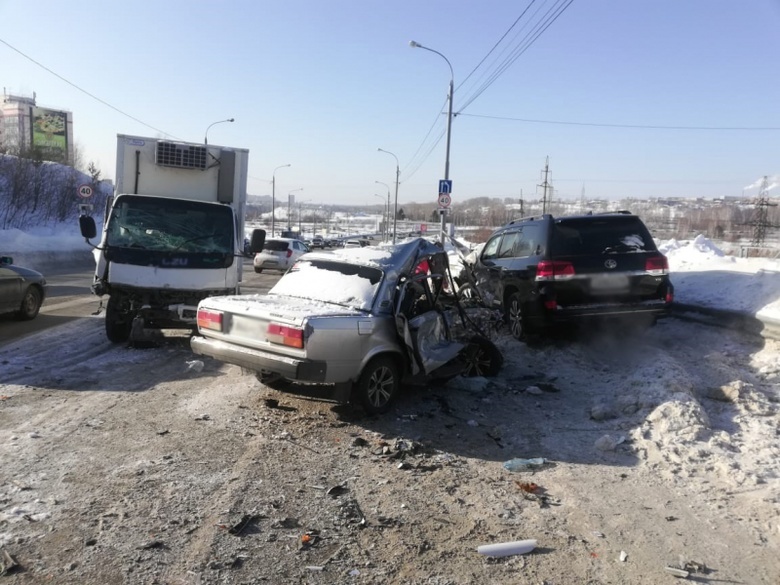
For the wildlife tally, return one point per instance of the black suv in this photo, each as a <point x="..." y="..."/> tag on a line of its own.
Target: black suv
<point x="546" y="271"/>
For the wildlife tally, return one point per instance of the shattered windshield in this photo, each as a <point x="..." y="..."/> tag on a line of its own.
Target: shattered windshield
<point x="170" y="225"/>
<point x="339" y="283"/>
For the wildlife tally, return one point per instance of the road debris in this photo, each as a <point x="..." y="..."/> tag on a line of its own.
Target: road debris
<point x="505" y="549"/>
<point x="525" y="464"/>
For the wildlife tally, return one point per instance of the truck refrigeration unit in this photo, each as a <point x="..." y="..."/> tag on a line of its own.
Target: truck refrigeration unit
<point x="172" y="235"/>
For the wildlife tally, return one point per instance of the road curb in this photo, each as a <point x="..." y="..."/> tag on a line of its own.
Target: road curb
<point x="759" y="325"/>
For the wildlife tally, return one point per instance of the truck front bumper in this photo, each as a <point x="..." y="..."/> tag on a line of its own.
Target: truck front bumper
<point x="252" y="359"/>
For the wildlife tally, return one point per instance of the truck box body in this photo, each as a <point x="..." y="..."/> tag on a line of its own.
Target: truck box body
<point x="173" y="235"/>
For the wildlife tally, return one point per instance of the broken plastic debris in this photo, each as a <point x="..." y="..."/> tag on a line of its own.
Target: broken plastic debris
<point x="504" y="549"/>
<point x="623" y="556"/>
<point x="524" y="464"/>
<point x="195" y="366"/>
<point x="677" y="572"/>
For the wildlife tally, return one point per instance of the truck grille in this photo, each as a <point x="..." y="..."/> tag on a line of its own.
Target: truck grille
<point x="182" y="156"/>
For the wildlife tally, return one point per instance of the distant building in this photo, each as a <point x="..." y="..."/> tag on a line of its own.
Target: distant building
<point x="28" y="129"/>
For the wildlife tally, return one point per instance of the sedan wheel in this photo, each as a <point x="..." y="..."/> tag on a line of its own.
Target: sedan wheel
<point x="377" y="386"/>
<point x="31" y="304"/>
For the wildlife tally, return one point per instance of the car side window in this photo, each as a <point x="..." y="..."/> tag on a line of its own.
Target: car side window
<point x="491" y="248"/>
<point x="509" y="244"/>
<point x="529" y="244"/>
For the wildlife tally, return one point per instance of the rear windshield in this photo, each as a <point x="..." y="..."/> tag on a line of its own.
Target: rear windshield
<point x="339" y="283"/>
<point x="608" y="235"/>
<point x="275" y="246"/>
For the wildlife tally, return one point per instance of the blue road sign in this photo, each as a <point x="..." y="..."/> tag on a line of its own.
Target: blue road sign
<point x="445" y="186"/>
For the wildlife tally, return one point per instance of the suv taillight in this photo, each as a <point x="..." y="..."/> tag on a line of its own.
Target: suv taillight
<point x="657" y="265"/>
<point x="554" y="270"/>
<point x="289" y="252"/>
<point x="285" y="335"/>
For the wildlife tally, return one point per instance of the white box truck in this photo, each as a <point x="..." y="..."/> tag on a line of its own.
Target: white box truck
<point x="172" y="235"/>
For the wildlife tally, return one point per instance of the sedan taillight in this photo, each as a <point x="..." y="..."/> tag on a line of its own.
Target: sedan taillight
<point x="208" y="319"/>
<point x="285" y="335"/>
<point x="289" y="252"/>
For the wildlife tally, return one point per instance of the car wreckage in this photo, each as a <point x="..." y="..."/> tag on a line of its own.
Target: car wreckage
<point x="365" y="320"/>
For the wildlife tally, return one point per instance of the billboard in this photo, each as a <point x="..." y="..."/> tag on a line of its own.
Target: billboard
<point x="50" y="133"/>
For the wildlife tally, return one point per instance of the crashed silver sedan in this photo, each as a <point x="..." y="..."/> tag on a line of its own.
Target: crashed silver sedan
<point x="365" y="320"/>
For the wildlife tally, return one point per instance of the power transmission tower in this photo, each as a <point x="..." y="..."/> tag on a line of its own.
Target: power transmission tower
<point x="760" y="221"/>
<point x="546" y="187"/>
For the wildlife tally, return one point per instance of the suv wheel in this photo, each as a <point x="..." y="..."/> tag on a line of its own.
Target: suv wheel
<point x="515" y="315"/>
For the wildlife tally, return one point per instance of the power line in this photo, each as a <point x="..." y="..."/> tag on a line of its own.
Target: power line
<point x="105" y="103"/>
<point x="637" y="126"/>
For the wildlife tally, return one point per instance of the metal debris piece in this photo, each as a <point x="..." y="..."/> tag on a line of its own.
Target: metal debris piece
<point x="337" y="490"/>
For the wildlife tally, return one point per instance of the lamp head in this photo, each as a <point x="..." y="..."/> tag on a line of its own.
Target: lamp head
<point x="414" y="44"/>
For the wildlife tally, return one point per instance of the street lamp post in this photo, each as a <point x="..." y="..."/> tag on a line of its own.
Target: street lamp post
<point x="397" y="177"/>
<point x="289" y="200"/>
<point x="206" y="137"/>
<point x="387" y="219"/>
<point x="273" y="198"/>
<point x="416" y="45"/>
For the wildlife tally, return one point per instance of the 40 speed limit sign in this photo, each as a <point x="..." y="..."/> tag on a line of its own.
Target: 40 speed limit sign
<point x="444" y="200"/>
<point x="84" y="191"/>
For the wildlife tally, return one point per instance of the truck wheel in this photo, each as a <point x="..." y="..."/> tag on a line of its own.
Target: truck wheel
<point x="118" y="324"/>
<point x="378" y="385"/>
<point x="483" y="358"/>
<point x="31" y="304"/>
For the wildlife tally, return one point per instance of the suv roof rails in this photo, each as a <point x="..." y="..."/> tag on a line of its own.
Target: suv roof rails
<point x="530" y="218"/>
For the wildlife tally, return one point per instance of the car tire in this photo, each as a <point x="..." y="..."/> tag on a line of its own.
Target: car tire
<point x="118" y="325"/>
<point x="483" y="358"/>
<point x="378" y="385"/>
<point x="31" y="304"/>
<point x="258" y="270"/>
<point x="515" y="315"/>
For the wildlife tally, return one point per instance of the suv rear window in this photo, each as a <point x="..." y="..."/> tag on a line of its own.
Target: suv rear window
<point x="275" y="246"/>
<point x="592" y="235"/>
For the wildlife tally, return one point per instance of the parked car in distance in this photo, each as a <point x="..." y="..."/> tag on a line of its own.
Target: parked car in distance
<point x="352" y="244"/>
<point x="317" y="242"/>
<point x="22" y="290"/>
<point x="279" y="254"/>
<point x="362" y="320"/>
<point x="547" y="271"/>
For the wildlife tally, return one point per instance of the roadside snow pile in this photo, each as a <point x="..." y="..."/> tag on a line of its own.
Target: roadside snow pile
<point x="703" y="275"/>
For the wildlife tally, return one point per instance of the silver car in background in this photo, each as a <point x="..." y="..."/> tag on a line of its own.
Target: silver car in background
<point x="362" y="319"/>
<point x="279" y="254"/>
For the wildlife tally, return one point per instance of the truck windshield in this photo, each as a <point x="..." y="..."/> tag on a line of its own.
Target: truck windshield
<point x="338" y="283"/>
<point x="170" y="225"/>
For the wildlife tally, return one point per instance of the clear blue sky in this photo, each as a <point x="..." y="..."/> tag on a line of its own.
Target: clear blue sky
<point x="321" y="84"/>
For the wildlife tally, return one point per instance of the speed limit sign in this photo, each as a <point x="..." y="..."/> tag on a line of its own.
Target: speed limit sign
<point x="444" y="200"/>
<point x="85" y="191"/>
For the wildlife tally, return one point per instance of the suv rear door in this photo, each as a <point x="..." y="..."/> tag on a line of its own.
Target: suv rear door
<point x="610" y="256"/>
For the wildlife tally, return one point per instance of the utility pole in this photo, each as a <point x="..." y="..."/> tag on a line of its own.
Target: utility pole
<point x="761" y="219"/>
<point x="546" y="187"/>
<point x="522" y="214"/>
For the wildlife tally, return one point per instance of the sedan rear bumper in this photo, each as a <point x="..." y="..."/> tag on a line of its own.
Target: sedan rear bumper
<point x="257" y="360"/>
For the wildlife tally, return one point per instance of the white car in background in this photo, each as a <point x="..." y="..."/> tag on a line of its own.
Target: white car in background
<point x="279" y="254"/>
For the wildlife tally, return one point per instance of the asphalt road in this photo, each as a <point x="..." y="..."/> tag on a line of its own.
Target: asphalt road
<point x="69" y="297"/>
